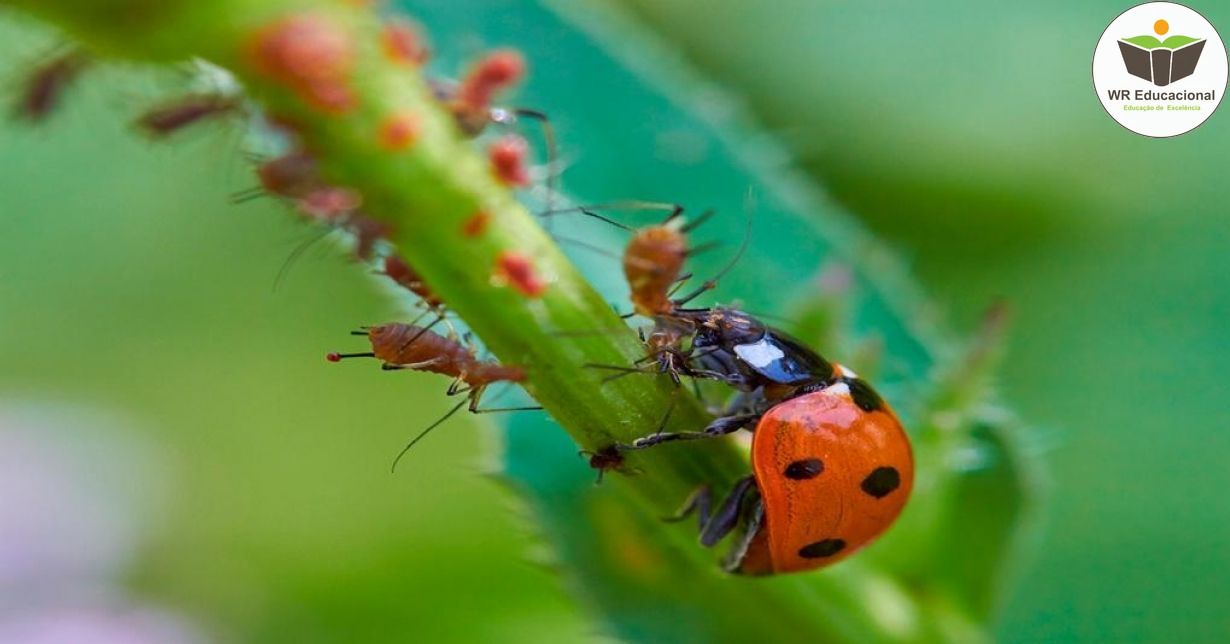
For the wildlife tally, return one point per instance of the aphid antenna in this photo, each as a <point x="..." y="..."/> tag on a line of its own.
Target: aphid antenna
<point x="247" y="194"/>
<point x="673" y="210"/>
<point x="338" y="357"/>
<point x="586" y="245"/>
<point x="711" y="283"/>
<point x="294" y="257"/>
<point x="552" y="149"/>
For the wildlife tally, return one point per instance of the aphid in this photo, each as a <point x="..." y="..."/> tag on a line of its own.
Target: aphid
<point x="293" y="175"/>
<point x="653" y="262"/>
<point x="402" y="42"/>
<point x="832" y="469"/>
<point x="172" y="117"/>
<point x="311" y="55"/>
<point x="43" y="88"/>
<point x="471" y="100"/>
<point x="609" y="458"/>
<point x="400" y="272"/>
<point x="406" y="346"/>
<point x="507" y="156"/>
<point x="472" y="103"/>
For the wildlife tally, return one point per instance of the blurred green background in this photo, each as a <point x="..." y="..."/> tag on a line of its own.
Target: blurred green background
<point x="129" y="286"/>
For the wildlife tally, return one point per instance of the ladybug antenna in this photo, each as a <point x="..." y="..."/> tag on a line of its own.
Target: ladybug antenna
<point x="711" y="283"/>
<point x="449" y="414"/>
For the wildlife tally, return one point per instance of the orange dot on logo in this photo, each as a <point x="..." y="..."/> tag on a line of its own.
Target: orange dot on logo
<point x="1161" y="27"/>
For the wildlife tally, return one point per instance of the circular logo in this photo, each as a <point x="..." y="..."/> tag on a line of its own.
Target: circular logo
<point x="1160" y="69"/>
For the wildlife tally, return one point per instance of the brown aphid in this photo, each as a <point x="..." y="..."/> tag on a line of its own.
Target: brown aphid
<point x="407" y="346"/>
<point x="43" y="88"/>
<point x="294" y="175"/>
<point x="471" y="99"/>
<point x="172" y="117"/>
<point x="310" y="54"/>
<point x="653" y="262"/>
<point x="399" y="271"/>
<point x="606" y="459"/>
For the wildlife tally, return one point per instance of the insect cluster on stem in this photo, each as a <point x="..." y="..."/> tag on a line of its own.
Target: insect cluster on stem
<point x="831" y="467"/>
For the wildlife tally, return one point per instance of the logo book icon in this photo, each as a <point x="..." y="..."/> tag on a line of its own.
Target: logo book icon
<point x="1161" y="62"/>
<point x="1184" y="70"/>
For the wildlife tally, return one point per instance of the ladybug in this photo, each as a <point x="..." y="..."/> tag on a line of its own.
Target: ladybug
<point x="832" y="469"/>
<point x="747" y="354"/>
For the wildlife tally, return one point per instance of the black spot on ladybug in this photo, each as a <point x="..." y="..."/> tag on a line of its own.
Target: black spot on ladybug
<point x="881" y="482"/>
<point x="822" y="549"/>
<point x="808" y="468"/>
<point x="863" y="395"/>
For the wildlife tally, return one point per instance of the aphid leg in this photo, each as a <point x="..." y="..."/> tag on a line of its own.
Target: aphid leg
<point x="699" y="501"/>
<point x="470" y="401"/>
<point x="423" y="433"/>
<point x="388" y="366"/>
<point x="476" y="394"/>
<point x="455" y="387"/>
<point x="703" y="248"/>
<point x="695" y="223"/>
<point x="416" y="336"/>
<point x="719" y="427"/>
<point x="452" y="330"/>
<point x="711" y="283"/>
<point x="622" y="371"/>
<point x="727" y="515"/>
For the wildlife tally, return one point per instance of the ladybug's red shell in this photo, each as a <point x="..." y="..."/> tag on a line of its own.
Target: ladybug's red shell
<point x="832" y="477"/>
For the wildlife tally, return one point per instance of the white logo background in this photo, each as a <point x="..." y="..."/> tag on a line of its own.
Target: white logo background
<point x="1109" y="72"/>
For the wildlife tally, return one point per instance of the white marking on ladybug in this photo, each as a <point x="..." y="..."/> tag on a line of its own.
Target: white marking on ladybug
<point x="847" y="371"/>
<point x="839" y="389"/>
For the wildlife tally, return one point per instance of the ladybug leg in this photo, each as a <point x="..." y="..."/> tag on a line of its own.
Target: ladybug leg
<point x="699" y="502"/>
<point x="734" y="559"/>
<point x="727" y="516"/>
<point x="719" y="427"/>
